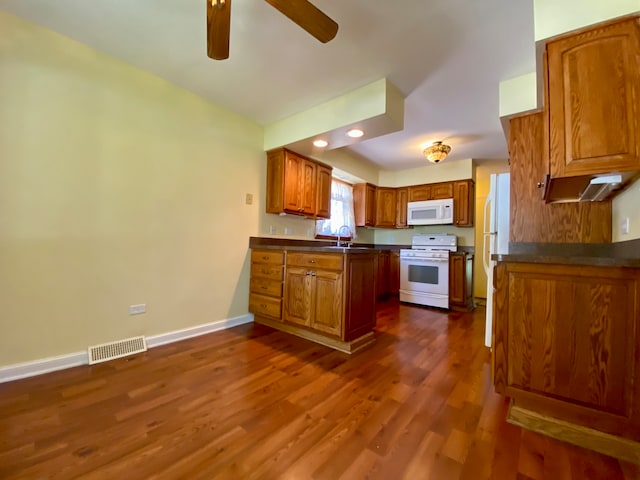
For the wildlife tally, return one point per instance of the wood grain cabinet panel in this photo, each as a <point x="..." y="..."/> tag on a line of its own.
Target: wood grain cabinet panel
<point x="402" y="197"/>
<point x="463" y="203"/>
<point x="593" y="92"/>
<point x="328" y="298"/>
<point x="566" y="339"/>
<point x="364" y="204"/>
<point x="461" y="281"/>
<point x="386" y="207"/>
<point x="418" y="193"/>
<point x="533" y="220"/>
<point x="265" y="289"/>
<point x="323" y="208"/>
<point x="293" y="184"/>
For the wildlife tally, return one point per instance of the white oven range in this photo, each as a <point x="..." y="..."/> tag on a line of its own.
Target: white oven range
<point x="424" y="270"/>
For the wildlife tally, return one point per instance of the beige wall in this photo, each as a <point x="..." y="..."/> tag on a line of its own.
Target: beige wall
<point x="483" y="175"/>
<point x="116" y="188"/>
<point x="627" y="205"/>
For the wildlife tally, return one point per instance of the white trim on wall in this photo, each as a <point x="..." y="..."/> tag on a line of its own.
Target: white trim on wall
<point x="52" y="364"/>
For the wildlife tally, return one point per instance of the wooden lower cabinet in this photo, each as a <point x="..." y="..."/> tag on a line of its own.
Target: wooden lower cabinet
<point x="328" y="298"/>
<point x="461" y="281"/>
<point x="265" y="290"/>
<point x="566" y="342"/>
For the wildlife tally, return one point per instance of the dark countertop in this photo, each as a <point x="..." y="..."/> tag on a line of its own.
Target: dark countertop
<point x="620" y="254"/>
<point x="327" y="245"/>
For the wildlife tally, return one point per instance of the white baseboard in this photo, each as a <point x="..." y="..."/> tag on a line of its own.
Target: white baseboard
<point x="177" y="335"/>
<point x="47" y="365"/>
<point x="44" y="365"/>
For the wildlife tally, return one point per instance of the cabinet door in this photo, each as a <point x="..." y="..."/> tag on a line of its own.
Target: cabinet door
<point x="298" y="296"/>
<point x="323" y="209"/>
<point x="401" y="207"/>
<point x="567" y="337"/>
<point x="463" y="203"/>
<point x="370" y="211"/>
<point x="386" y="206"/>
<point x="533" y="220"/>
<point x="457" y="278"/>
<point x="308" y="188"/>
<point x="382" y="284"/>
<point x="327" y="316"/>
<point x="594" y="111"/>
<point x="293" y="172"/>
<point x="394" y="273"/>
<point x="418" y="193"/>
<point x="440" y="191"/>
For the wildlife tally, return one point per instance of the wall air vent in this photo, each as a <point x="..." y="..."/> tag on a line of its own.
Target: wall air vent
<point x="120" y="348"/>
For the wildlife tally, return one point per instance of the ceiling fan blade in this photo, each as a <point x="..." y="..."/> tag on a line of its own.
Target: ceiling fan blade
<point x="307" y="16"/>
<point x="218" y="28"/>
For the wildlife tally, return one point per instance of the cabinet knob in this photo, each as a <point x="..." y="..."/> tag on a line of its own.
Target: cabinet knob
<point x="312" y="261"/>
<point x="265" y="258"/>
<point x="540" y="184"/>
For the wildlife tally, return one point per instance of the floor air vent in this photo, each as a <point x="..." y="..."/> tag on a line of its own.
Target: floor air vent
<point x="121" y="348"/>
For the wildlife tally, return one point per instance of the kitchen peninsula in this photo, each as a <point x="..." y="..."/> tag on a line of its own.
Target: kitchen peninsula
<point x="326" y="294"/>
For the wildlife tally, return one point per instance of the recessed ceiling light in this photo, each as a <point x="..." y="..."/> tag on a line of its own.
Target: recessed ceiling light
<point x="355" y="133"/>
<point x="320" y="143"/>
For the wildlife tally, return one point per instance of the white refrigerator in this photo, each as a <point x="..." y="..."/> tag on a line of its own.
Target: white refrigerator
<point x="496" y="236"/>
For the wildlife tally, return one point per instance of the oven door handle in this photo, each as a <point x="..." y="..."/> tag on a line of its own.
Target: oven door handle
<point x="423" y="260"/>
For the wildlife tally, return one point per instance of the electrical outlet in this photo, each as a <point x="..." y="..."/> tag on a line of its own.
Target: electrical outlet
<point x="624" y="226"/>
<point x="288" y="231"/>
<point x="272" y="229"/>
<point x="137" y="309"/>
<point x="248" y="199"/>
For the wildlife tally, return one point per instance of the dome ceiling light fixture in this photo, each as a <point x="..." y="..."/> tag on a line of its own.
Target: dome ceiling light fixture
<point x="436" y="152"/>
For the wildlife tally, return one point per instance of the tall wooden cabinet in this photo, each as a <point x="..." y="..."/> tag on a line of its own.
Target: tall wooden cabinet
<point x="533" y="220"/>
<point x="293" y="182"/>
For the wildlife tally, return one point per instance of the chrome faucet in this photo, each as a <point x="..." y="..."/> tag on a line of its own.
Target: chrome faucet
<point x="340" y="234"/>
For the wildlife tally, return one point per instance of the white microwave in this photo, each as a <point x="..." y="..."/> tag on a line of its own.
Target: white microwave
<point x="430" y="212"/>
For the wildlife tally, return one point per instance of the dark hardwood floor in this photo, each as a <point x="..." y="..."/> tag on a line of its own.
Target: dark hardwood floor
<point x="254" y="403"/>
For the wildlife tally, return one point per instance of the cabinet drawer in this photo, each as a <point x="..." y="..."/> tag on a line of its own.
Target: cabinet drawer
<point x="263" y="270"/>
<point x="274" y="257"/>
<point x="267" y="306"/>
<point x="316" y="260"/>
<point x="265" y="286"/>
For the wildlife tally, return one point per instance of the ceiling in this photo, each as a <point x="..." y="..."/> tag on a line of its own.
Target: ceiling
<point x="447" y="57"/>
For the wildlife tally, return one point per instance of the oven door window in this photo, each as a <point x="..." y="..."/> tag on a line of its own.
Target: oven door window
<point x="426" y="274"/>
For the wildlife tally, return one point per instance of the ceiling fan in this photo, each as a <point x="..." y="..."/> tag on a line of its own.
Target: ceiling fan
<point x="301" y="12"/>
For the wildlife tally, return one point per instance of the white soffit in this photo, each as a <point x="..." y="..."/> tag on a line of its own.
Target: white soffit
<point x="376" y="108"/>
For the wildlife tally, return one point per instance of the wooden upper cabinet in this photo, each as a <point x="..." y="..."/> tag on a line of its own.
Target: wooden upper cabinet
<point x="323" y="208"/>
<point x="418" y="193"/>
<point x="430" y="191"/>
<point x="293" y="182"/>
<point x="463" y="203"/>
<point x="533" y="220"/>
<point x="386" y="207"/>
<point x="594" y="100"/>
<point x="364" y="204"/>
<point x="402" y="197"/>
